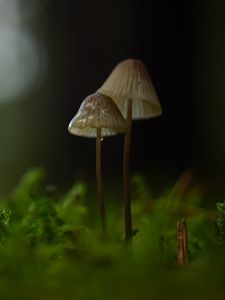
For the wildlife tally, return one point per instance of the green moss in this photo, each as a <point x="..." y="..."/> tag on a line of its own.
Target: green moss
<point x="50" y="248"/>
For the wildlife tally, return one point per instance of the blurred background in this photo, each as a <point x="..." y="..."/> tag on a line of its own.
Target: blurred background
<point x="54" y="53"/>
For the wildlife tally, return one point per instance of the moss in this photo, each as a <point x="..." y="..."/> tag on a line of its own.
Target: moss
<point x="51" y="249"/>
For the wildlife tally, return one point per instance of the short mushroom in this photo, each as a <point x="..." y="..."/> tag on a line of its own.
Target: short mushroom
<point x="131" y="88"/>
<point x="98" y="116"/>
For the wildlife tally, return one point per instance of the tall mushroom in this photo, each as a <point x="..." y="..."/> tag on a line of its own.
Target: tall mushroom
<point x="131" y="88"/>
<point x="98" y="116"/>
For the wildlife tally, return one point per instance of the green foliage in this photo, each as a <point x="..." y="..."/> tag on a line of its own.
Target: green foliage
<point x="140" y="188"/>
<point x="221" y="220"/>
<point x="4" y="223"/>
<point x="71" y="208"/>
<point x="29" y="186"/>
<point x="51" y="247"/>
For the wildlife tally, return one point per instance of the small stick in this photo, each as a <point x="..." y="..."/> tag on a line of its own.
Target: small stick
<point x="126" y="175"/>
<point x="180" y="254"/>
<point x="99" y="181"/>
<point x="182" y="257"/>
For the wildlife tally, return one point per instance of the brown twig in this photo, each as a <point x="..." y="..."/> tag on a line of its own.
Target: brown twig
<point x="182" y="256"/>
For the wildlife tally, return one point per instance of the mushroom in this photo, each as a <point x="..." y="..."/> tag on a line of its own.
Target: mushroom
<point x="98" y="116"/>
<point x="131" y="88"/>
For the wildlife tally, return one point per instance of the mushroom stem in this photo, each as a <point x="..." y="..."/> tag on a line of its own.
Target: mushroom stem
<point x="99" y="181"/>
<point x="126" y="174"/>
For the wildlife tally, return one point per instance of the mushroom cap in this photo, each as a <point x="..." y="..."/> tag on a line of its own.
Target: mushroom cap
<point x="97" y="111"/>
<point x="130" y="80"/>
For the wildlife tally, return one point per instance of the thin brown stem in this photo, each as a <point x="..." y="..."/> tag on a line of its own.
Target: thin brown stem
<point x="99" y="181"/>
<point x="126" y="174"/>
<point x="182" y="257"/>
<point x="180" y="254"/>
<point x="185" y="242"/>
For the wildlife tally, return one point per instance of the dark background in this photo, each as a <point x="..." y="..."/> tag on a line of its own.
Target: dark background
<point x="181" y="43"/>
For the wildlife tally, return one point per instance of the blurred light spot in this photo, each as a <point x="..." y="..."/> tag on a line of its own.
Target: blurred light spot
<point x="15" y="11"/>
<point x="9" y="12"/>
<point x="22" y="63"/>
<point x="30" y="8"/>
<point x="22" y="58"/>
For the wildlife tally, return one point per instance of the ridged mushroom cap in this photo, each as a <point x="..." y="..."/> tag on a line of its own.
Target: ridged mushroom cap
<point x="97" y="111"/>
<point x="130" y="80"/>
